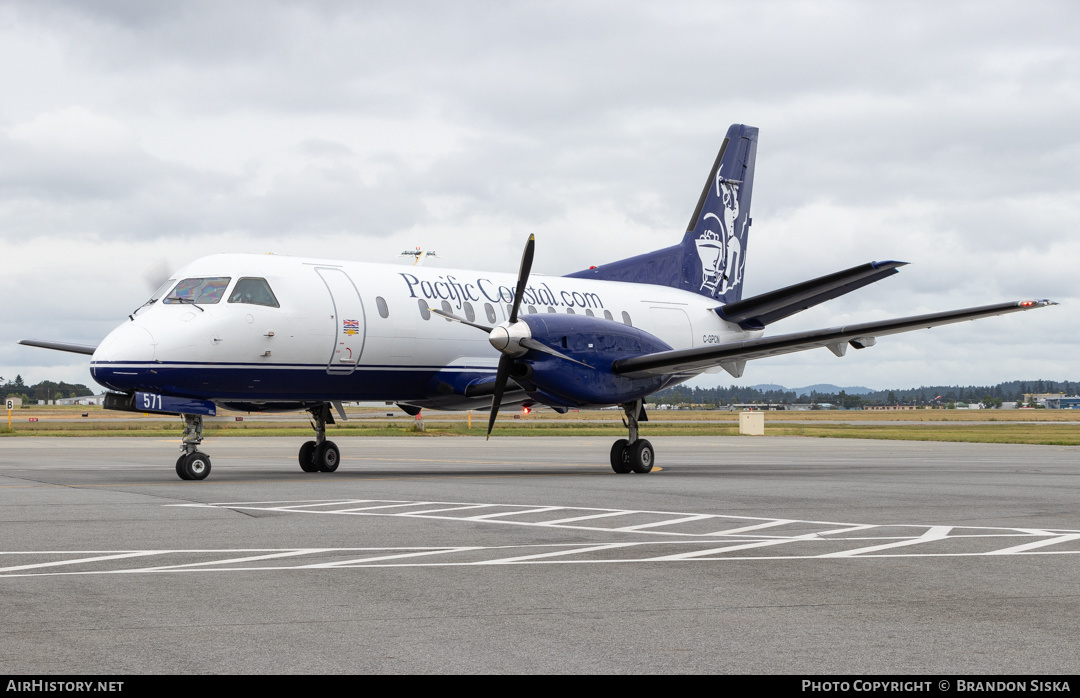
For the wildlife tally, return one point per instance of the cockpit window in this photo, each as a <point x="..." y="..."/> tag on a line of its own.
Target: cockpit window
<point x="255" y="292"/>
<point x="199" y="291"/>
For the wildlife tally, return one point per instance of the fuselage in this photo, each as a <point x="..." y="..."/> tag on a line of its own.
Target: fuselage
<point x="334" y="330"/>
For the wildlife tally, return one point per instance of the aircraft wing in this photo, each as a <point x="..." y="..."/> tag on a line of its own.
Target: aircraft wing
<point x="733" y="355"/>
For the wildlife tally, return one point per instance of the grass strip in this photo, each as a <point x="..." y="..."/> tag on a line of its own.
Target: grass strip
<point x="1048" y="434"/>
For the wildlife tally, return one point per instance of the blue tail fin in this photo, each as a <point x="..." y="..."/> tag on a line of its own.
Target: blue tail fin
<point x="712" y="255"/>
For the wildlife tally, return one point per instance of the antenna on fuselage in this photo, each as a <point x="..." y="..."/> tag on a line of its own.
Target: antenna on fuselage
<point x="418" y="255"/>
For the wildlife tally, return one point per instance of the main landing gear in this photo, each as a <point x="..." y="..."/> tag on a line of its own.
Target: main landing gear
<point x="192" y="463"/>
<point x="633" y="454"/>
<point x="320" y="455"/>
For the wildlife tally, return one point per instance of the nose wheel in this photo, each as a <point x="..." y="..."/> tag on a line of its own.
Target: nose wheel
<point x="320" y="455"/>
<point x="192" y="464"/>
<point x="633" y="454"/>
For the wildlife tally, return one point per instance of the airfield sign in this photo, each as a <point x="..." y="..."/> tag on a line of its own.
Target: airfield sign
<point x="11" y="403"/>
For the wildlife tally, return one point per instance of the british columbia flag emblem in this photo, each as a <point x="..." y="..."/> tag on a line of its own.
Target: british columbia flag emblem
<point x="351" y="326"/>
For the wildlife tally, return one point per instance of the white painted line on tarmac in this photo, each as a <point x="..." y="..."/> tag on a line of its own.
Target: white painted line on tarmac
<point x="669" y="522"/>
<point x="637" y="552"/>
<point x="1036" y="544"/>
<point x="230" y="561"/>
<point x="383" y="558"/>
<point x="81" y="560"/>
<point x="310" y="505"/>
<point x="500" y="514"/>
<point x="558" y="553"/>
<point x="726" y="549"/>
<point x="396" y="505"/>
<point x="559" y="522"/>
<point x="934" y="533"/>
<point x="847" y="529"/>
<point x="758" y="527"/>
<point x="443" y="510"/>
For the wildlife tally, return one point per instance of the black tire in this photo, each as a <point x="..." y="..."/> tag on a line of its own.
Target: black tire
<point x="180" y="467"/>
<point x="641" y="456"/>
<point x="327" y="457"/>
<point x="619" y="461"/>
<point x="307" y="458"/>
<point x="196" y="466"/>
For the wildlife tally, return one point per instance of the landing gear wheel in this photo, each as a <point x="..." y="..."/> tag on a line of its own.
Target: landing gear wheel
<point x="194" y="466"/>
<point x="641" y="456"/>
<point x="307" y="458"/>
<point x="180" y="467"/>
<point x="327" y="457"/>
<point x="619" y="462"/>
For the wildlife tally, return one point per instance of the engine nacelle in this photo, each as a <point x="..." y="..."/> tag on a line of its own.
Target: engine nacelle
<point x="594" y="341"/>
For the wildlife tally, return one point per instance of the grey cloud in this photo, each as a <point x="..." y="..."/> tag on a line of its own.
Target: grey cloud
<point x="947" y="132"/>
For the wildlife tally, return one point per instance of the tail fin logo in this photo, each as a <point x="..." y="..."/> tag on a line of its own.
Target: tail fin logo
<point x="719" y="250"/>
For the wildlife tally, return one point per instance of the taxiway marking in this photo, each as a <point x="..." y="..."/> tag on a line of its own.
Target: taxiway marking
<point x="669" y="537"/>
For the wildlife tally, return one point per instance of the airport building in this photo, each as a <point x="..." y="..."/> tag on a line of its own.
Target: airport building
<point x="84" y="400"/>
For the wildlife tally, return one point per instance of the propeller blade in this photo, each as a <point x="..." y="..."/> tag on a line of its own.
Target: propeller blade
<point x="523" y="276"/>
<point x="463" y="321"/>
<point x="156" y="273"/>
<point x="538" y="346"/>
<point x="503" y="373"/>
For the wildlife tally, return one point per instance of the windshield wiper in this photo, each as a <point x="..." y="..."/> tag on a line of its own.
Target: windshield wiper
<point x="178" y="299"/>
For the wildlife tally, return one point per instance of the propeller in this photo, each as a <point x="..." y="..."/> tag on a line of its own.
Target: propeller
<point x="156" y="273"/>
<point x="513" y="338"/>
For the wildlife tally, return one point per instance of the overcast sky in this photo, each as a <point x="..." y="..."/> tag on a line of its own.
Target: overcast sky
<point x="942" y="134"/>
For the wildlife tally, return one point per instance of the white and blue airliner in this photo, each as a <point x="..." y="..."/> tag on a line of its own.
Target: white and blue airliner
<point x="270" y="333"/>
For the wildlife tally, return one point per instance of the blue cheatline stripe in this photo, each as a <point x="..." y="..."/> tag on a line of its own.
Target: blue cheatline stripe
<point x="246" y="382"/>
<point x="322" y="367"/>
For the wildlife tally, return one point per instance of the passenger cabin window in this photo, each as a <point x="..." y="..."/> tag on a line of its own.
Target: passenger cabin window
<point x="470" y="314"/>
<point x="626" y="319"/>
<point x="254" y="292"/>
<point x="381" y="303"/>
<point x="424" y="311"/>
<point x="200" y="291"/>
<point x="447" y="309"/>
<point x="570" y="311"/>
<point x="607" y="315"/>
<point x="552" y="310"/>
<point x="589" y="312"/>
<point x="490" y="312"/>
<point x="509" y="310"/>
<point x="532" y="310"/>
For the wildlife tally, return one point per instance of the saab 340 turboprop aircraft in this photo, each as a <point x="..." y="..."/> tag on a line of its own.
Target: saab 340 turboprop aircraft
<point x="271" y="333"/>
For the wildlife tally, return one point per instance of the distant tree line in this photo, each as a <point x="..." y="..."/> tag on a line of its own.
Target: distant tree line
<point x="989" y="395"/>
<point x="45" y="390"/>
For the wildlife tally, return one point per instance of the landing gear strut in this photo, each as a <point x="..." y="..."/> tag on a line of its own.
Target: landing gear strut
<point x="320" y="455"/>
<point x="192" y="463"/>
<point x="632" y="454"/>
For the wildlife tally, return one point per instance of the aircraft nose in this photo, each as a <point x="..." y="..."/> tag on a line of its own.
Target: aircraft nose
<point x="128" y="342"/>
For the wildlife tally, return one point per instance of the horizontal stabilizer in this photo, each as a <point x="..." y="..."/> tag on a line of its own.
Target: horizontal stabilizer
<point x="60" y="346"/>
<point x="691" y="361"/>
<point x="757" y="312"/>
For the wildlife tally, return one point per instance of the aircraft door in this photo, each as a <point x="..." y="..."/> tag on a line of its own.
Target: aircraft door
<point x="349" y="321"/>
<point x="671" y="325"/>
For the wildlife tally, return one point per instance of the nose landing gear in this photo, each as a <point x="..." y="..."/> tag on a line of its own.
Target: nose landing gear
<point x="633" y="454"/>
<point x="320" y="455"/>
<point x="192" y="464"/>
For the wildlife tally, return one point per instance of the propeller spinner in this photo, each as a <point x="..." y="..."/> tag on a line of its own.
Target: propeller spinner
<point x="513" y="338"/>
